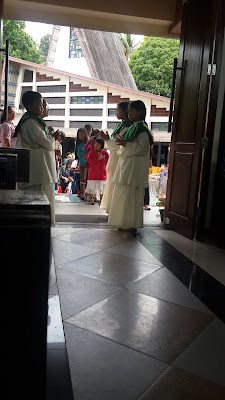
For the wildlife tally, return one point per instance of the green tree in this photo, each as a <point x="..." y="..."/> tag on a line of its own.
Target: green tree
<point x="128" y="44"/>
<point x="21" y="44"/>
<point x="43" y="47"/>
<point x="152" y="65"/>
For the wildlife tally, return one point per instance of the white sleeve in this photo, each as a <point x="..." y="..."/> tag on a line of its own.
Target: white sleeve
<point x="137" y="148"/>
<point x="111" y="145"/>
<point x="34" y="135"/>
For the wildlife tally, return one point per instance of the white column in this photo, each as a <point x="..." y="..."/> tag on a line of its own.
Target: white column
<point x="148" y="111"/>
<point x="67" y="103"/>
<point x="34" y="86"/>
<point x="104" y="110"/>
<point x="19" y="87"/>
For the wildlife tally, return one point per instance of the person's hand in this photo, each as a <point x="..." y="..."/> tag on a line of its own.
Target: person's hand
<point x="120" y="141"/>
<point x="56" y="134"/>
<point x="103" y="135"/>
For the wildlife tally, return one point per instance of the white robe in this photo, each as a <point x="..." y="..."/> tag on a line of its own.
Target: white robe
<point x="42" y="160"/>
<point x="130" y="180"/>
<point x="115" y="152"/>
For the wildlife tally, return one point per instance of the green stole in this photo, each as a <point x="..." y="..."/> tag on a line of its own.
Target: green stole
<point x="27" y="116"/>
<point x="135" y="130"/>
<point x="121" y="126"/>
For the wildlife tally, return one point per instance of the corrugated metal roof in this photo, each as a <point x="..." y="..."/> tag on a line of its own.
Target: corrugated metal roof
<point x="105" y="57"/>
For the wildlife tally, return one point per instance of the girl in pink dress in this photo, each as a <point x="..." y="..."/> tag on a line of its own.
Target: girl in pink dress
<point x="7" y="129"/>
<point x="97" y="175"/>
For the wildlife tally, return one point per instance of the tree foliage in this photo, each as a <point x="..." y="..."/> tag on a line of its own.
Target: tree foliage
<point x="128" y="44"/>
<point x="21" y="46"/>
<point x="152" y="65"/>
<point x="43" y="47"/>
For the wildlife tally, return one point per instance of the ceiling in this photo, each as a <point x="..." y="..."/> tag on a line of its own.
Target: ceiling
<point x="151" y="18"/>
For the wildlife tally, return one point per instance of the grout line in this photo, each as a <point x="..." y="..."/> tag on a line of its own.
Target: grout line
<point x="169" y="366"/>
<point x="99" y="301"/>
<point x="176" y="304"/>
<point x="120" y="344"/>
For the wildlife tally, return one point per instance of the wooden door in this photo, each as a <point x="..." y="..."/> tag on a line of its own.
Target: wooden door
<point x="190" y="115"/>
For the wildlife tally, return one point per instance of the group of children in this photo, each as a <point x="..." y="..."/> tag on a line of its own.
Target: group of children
<point x="91" y="171"/>
<point x="128" y="166"/>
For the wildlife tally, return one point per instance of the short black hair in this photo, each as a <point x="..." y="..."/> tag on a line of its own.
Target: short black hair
<point x="30" y="97"/>
<point x="95" y="132"/>
<point x="101" y="141"/>
<point x="88" y="127"/>
<point x="63" y="135"/>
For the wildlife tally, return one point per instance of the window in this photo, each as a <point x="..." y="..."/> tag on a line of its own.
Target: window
<point x="51" y="88"/>
<point x="112" y="112"/>
<point x="86" y="100"/>
<point x="75" y="50"/>
<point x="159" y="126"/>
<point x="55" y="124"/>
<point x="57" y="111"/>
<point x="55" y="100"/>
<point x="28" y="76"/>
<point x="79" y="124"/>
<point x="112" y="125"/>
<point x="86" y="112"/>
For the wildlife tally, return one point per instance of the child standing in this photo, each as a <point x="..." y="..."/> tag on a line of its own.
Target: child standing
<point x="32" y="133"/>
<point x="82" y="138"/>
<point x="97" y="175"/>
<point x="7" y="129"/>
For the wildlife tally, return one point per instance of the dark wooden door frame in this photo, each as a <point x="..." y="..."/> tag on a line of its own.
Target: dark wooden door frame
<point x="184" y="147"/>
<point x="216" y="58"/>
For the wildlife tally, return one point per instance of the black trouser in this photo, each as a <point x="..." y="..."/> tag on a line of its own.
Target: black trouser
<point x="146" y="198"/>
<point x="63" y="186"/>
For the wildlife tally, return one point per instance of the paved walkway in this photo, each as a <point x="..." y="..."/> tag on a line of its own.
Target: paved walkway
<point x="141" y="319"/>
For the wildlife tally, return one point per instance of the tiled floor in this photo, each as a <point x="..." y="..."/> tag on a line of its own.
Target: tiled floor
<point x="141" y="319"/>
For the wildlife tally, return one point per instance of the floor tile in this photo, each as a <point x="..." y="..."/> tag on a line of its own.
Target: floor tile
<point x="162" y="284"/>
<point x="94" y="239"/>
<point x="176" y="384"/>
<point x="179" y="241"/>
<point x="63" y="231"/>
<point x="112" y="268"/>
<point x="104" y="370"/>
<point x="147" y="236"/>
<point x="212" y="260"/>
<point x="65" y="251"/>
<point x="154" y="327"/>
<point x="55" y="332"/>
<point x="135" y="250"/>
<point x="206" y="355"/>
<point x="53" y="288"/>
<point x="77" y="292"/>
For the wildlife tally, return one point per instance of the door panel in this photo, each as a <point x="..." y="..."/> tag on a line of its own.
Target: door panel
<point x="192" y="90"/>
<point x="181" y="183"/>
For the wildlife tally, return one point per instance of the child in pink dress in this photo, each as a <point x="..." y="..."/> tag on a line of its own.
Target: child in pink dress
<point x="90" y="144"/>
<point x="97" y="175"/>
